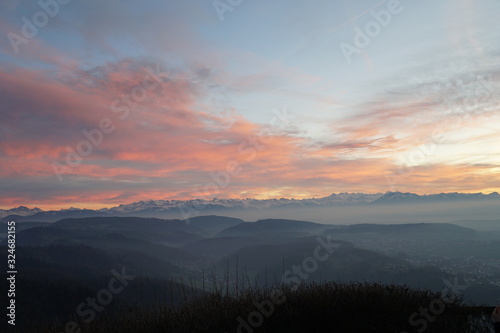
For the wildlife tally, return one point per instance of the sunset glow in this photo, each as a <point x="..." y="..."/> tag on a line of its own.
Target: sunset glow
<point x="108" y="104"/>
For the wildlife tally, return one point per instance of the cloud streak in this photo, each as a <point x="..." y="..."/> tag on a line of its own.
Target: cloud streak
<point x="183" y="104"/>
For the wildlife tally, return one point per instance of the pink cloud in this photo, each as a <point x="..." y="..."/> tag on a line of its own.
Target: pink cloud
<point x="164" y="146"/>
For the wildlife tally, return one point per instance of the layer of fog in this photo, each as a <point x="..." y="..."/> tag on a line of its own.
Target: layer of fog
<point x="481" y="215"/>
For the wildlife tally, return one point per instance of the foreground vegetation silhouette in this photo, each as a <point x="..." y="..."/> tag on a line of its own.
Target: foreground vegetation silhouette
<point x="323" y="307"/>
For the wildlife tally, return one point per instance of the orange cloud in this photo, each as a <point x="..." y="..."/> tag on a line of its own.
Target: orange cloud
<point x="163" y="146"/>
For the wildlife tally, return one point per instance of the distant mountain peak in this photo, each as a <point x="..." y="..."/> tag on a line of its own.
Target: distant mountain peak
<point x="157" y="208"/>
<point x="21" y="211"/>
<point x="408" y="197"/>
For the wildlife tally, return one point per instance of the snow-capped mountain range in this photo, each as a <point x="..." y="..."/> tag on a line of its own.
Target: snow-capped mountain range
<point x="155" y="208"/>
<point x="21" y="211"/>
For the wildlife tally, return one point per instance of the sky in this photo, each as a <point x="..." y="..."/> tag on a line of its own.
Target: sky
<point x="110" y="102"/>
